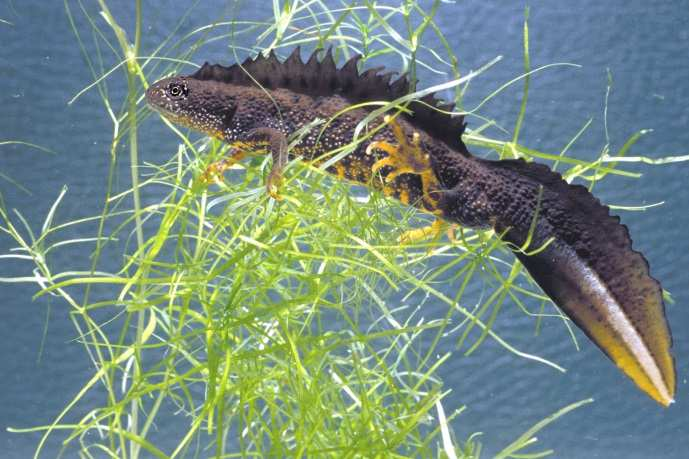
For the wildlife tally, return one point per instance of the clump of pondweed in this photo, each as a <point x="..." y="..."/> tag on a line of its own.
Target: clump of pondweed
<point x="256" y="328"/>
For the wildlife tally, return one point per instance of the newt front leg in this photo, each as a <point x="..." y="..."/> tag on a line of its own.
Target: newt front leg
<point x="277" y="144"/>
<point x="215" y="170"/>
<point x="256" y="140"/>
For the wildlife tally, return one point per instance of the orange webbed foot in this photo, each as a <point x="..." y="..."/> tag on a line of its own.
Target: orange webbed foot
<point x="405" y="157"/>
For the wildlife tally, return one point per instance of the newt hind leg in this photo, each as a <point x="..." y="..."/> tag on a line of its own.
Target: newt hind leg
<point x="406" y="158"/>
<point x="409" y="158"/>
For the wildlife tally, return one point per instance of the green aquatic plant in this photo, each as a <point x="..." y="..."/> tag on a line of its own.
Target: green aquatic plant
<point x="253" y="328"/>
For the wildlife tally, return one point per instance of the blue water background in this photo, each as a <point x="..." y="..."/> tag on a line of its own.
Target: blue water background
<point x="645" y="46"/>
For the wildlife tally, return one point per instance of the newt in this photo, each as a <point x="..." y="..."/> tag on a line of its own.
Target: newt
<point x="579" y="254"/>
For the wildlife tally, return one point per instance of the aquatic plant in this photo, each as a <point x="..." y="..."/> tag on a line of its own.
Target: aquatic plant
<point x="252" y="328"/>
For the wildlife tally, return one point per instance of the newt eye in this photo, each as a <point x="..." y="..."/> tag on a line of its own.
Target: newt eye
<point x="177" y="90"/>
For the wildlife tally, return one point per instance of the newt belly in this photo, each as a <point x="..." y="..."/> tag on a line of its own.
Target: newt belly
<point x="586" y="264"/>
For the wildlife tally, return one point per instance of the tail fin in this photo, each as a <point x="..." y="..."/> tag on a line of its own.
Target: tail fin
<point x="589" y="270"/>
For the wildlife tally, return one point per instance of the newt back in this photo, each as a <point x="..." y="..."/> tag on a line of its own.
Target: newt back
<point x="322" y="78"/>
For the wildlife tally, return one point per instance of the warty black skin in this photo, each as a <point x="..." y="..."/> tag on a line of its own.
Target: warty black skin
<point x="230" y="113"/>
<point x="579" y="254"/>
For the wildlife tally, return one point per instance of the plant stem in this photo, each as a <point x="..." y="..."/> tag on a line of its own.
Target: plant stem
<point x="131" y="51"/>
<point x="132" y="68"/>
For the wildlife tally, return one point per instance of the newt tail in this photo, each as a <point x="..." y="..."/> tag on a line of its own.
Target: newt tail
<point x="578" y="253"/>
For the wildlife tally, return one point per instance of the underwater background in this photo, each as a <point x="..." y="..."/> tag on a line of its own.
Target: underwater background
<point x="644" y="46"/>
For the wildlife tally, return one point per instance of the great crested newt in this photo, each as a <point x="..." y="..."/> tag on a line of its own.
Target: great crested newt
<point x="585" y="262"/>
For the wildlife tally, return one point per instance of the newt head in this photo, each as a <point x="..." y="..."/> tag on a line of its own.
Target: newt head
<point x="200" y="105"/>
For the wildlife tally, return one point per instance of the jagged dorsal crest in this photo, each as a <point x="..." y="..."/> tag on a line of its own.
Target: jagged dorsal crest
<point x="322" y="78"/>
